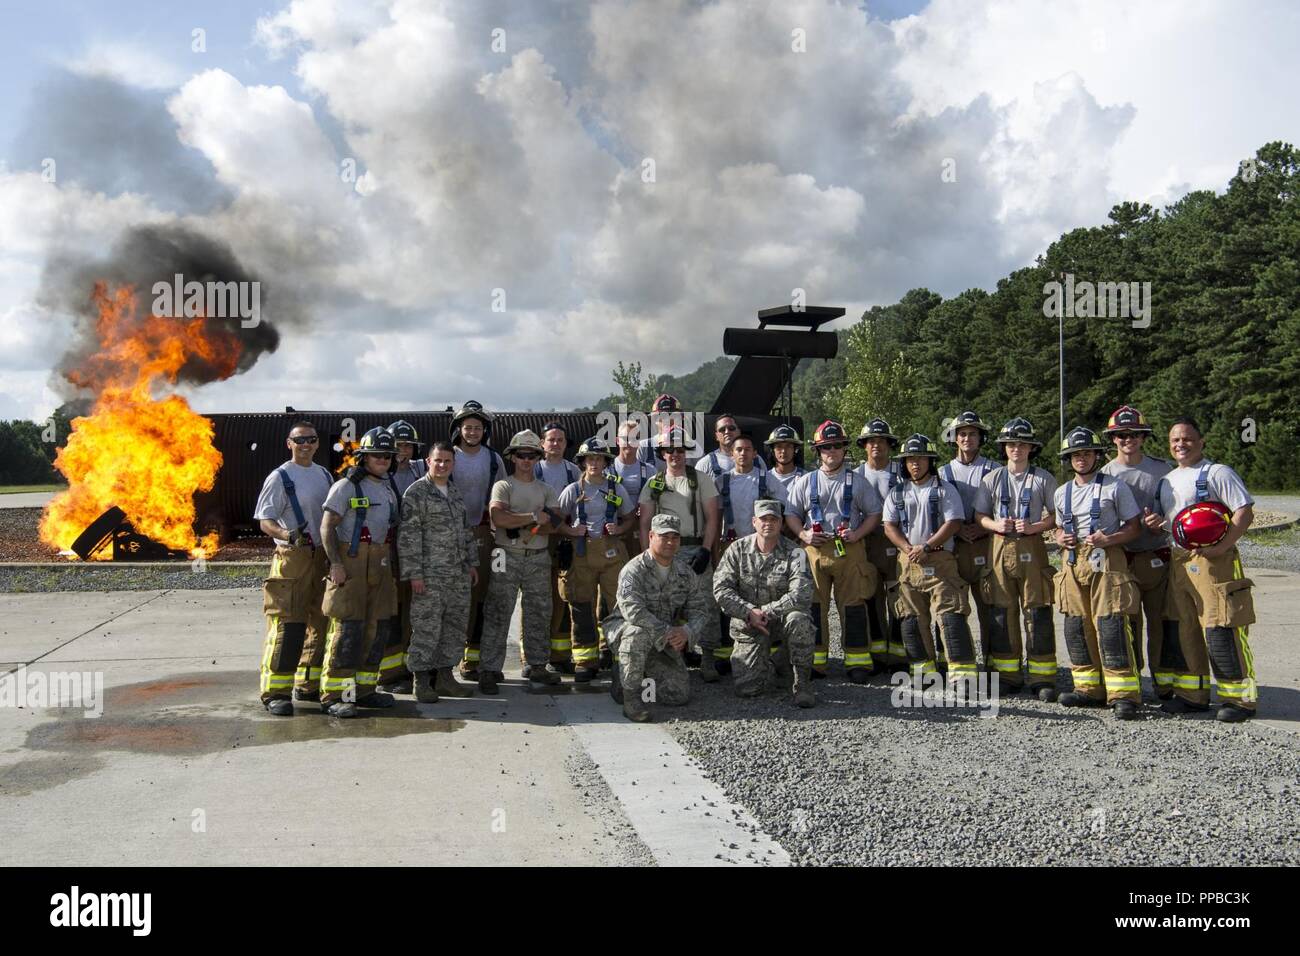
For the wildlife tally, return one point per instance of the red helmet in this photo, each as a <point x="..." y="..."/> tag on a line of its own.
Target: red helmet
<point x="1201" y="525"/>
<point x="830" y="432"/>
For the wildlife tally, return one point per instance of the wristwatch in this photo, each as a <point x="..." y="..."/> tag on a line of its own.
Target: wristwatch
<point x="933" y="548"/>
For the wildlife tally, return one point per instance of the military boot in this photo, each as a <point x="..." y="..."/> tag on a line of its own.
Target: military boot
<point x="634" y="709"/>
<point x="425" y="691"/>
<point x="446" y="684"/>
<point x="708" y="668"/>
<point x="803" y="692"/>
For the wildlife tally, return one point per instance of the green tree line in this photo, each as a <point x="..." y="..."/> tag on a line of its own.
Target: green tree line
<point x="1222" y="344"/>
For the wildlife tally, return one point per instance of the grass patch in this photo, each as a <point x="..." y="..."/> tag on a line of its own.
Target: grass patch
<point x="1283" y="537"/>
<point x="29" y="489"/>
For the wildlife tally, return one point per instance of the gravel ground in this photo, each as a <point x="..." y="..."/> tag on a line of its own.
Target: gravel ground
<point x="109" y="577"/>
<point x="856" y="781"/>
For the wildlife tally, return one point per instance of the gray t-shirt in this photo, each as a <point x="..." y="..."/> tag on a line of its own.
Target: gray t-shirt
<point x="1142" y="479"/>
<point x="1114" y="499"/>
<point x="830" y="493"/>
<point x="594" y="505"/>
<point x="473" y="476"/>
<point x="634" y="477"/>
<point x="381" y="514"/>
<point x="523" y="497"/>
<point x="408" y="474"/>
<point x="883" y="479"/>
<point x="559" y="475"/>
<point x="916" y="504"/>
<point x="787" y="480"/>
<point x="717" y="462"/>
<point x="310" y="484"/>
<point x="1000" y="487"/>
<point x="966" y="479"/>
<point x="744" y="491"/>
<point x="1222" y="484"/>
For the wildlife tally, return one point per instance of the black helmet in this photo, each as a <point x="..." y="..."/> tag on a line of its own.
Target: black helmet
<point x="405" y="431"/>
<point x="471" y="409"/>
<point x="877" y="428"/>
<point x="917" y="446"/>
<point x="1081" y="439"/>
<point x="783" y="433"/>
<point x="377" y="441"/>
<point x="595" y="446"/>
<point x="966" y="419"/>
<point x="1021" y="430"/>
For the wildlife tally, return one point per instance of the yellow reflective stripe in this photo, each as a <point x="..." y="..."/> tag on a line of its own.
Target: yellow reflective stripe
<point x="367" y="677"/>
<point x="583" y="654"/>
<point x="1192" y="682"/>
<point x="924" y="667"/>
<point x="1006" y="664"/>
<point x="962" y="668"/>
<point x="1234" y="688"/>
<point x="1086" y="678"/>
<point x="471" y="654"/>
<point x="331" y="684"/>
<point x="879" y="647"/>
<point x="898" y="650"/>
<point x="560" y="644"/>
<point x="722" y="653"/>
<point x="278" y="680"/>
<point x="1041" y="668"/>
<point x="857" y="659"/>
<point x="393" y="660"/>
<point x="819" y="657"/>
<point x="1164" y="678"/>
<point x="1122" y="683"/>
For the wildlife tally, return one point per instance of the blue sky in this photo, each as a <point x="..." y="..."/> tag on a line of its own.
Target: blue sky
<point x="525" y="170"/>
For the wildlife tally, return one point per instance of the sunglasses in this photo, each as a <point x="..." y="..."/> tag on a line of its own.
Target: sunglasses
<point x="526" y="457"/>
<point x="304" y="439"/>
<point x="834" y="447"/>
<point x="674" y="451"/>
<point x="1125" y="436"/>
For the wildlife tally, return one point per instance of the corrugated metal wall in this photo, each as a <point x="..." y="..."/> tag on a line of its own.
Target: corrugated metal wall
<point x="252" y="444"/>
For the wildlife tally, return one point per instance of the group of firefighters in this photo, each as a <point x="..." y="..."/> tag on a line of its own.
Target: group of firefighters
<point x="402" y="576"/>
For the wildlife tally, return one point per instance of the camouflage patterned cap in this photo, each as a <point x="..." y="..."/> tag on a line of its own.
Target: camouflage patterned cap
<point x="767" y="506"/>
<point x="666" y="524"/>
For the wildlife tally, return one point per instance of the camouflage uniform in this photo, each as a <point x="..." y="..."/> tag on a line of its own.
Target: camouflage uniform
<point x="779" y="584"/>
<point x="646" y="610"/>
<point x="435" y="545"/>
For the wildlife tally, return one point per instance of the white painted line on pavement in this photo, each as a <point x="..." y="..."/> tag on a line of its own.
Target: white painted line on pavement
<point x="681" y="815"/>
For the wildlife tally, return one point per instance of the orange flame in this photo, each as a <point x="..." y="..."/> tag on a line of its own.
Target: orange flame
<point x="349" y="450"/>
<point x="147" y="456"/>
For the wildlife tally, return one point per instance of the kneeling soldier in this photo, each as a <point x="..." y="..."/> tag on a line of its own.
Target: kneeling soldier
<point x="764" y="585"/>
<point x="661" y="611"/>
<point x="289" y="510"/>
<point x="1208" y="510"/>
<point x="922" y="513"/>
<point x="438" y="554"/>
<point x="1095" y="589"/>
<point x="596" y="517"/>
<point x="360" y="597"/>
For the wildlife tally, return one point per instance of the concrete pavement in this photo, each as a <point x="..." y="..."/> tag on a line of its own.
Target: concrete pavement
<point x="26" y="499"/>
<point x="184" y="766"/>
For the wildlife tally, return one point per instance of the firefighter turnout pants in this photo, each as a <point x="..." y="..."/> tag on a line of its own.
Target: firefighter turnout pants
<point x="360" y="612"/>
<point x="485" y="543"/>
<point x="1210" y="605"/>
<point x="852" y="580"/>
<point x="393" y="668"/>
<point x="295" y="625"/>
<point x="932" y="591"/>
<point x="1151" y="572"/>
<point x="561" y="625"/>
<point x="592" y="572"/>
<point x="1098" y="596"/>
<point x="972" y="562"/>
<point x="886" y="638"/>
<point x="1019" y="577"/>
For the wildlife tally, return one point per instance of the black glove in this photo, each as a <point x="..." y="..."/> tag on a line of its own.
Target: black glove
<point x="564" y="555"/>
<point x="700" y="563"/>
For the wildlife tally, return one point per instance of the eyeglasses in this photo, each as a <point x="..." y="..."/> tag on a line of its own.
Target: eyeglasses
<point x="522" y="456"/>
<point x="674" y="451"/>
<point x="304" y="439"/>
<point x="833" y="447"/>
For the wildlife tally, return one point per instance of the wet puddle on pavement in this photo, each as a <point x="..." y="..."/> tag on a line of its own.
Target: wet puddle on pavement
<point x="189" y="715"/>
